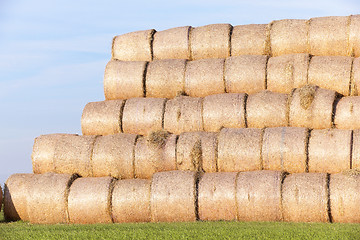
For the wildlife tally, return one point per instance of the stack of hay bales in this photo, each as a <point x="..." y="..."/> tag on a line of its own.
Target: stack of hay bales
<point x="253" y="122"/>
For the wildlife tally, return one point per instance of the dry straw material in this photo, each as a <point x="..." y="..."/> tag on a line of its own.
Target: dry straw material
<point x="347" y="113"/>
<point x="48" y="197"/>
<point x="287" y="72"/>
<point x="183" y="114"/>
<point x="204" y="77"/>
<point x="289" y="36"/>
<point x="165" y="78"/>
<point x="245" y="74"/>
<point x="354" y="36"/>
<point x="355" y="77"/>
<point x="224" y="110"/>
<point x="210" y="41"/>
<point x="143" y="115"/>
<point x="258" y="196"/>
<point x="134" y="46"/>
<point x="239" y="149"/>
<point x="356" y="150"/>
<point x="329" y="36"/>
<point x="131" y="201"/>
<point x="305" y="197"/>
<point x="331" y="72"/>
<point x="252" y="39"/>
<point x="285" y="148"/>
<point x="123" y="80"/>
<point x="90" y="200"/>
<point x="329" y="150"/>
<point x="73" y="155"/>
<point x="173" y="196"/>
<point x="217" y="196"/>
<point x="102" y="118"/>
<point x="267" y="109"/>
<point x="312" y="107"/>
<point x="113" y="156"/>
<point x="172" y="43"/>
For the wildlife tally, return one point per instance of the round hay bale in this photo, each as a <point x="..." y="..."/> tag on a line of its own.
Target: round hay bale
<point x="355" y="164"/>
<point x="131" y="201"/>
<point x="48" y="198"/>
<point x="328" y="36"/>
<point x="172" y="43"/>
<point x="204" y="77"/>
<point x="331" y="72"/>
<point x="330" y="150"/>
<point x="114" y="156"/>
<point x="143" y="115"/>
<point x="90" y="200"/>
<point x="173" y="196"/>
<point x="245" y="74"/>
<point x="102" y="118"/>
<point x="165" y="78"/>
<point x="73" y="155"/>
<point x="285" y="149"/>
<point x="347" y="113"/>
<point x="210" y="41"/>
<point x="183" y="114"/>
<point x="224" y="110"/>
<point x="354" y="36"/>
<point x="258" y="196"/>
<point x="123" y="80"/>
<point x="311" y="107"/>
<point x="209" y="151"/>
<point x="133" y="46"/>
<point x="267" y="109"/>
<point x="289" y="36"/>
<point x="251" y="39"/>
<point x="217" y="196"/>
<point x="305" y="197"/>
<point x="355" y="77"/>
<point x="345" y="198"/>
<point x="239" y="149"/>
<point x="155" y="155"/>
<point x="16" y="196"/>
<point x="287" y="72"/>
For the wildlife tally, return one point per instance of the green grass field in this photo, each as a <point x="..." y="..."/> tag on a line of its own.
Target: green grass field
<point x="197" y="230"/>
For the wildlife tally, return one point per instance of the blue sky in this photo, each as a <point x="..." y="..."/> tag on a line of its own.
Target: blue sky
<point x="53" y="55"/>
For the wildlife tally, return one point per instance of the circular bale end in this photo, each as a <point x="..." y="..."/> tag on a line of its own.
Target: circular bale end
<point x="347" y="113"/>
<point x="251" y="39"/>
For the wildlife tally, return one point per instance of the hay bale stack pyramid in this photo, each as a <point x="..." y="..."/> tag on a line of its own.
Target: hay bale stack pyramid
<point x="253" y="122"/>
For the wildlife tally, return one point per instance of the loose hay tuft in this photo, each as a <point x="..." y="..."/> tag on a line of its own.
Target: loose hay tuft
<point x="158" y="138"/>
<point x="307" y="95"/>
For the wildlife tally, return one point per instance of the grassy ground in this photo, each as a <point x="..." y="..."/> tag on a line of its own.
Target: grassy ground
<point x="197" y="230"/>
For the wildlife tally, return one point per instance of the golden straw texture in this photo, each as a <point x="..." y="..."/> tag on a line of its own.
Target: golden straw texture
<point x="250" y="39"/>
<point x="355" y="77"/>
<point x="354" y="35"/>
<point x="347" y="113"/>
<point x="356" y="150"/>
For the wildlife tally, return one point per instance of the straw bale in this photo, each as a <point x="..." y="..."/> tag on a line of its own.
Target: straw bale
<point x="245" y="74"/>
<point x="133" y="46"/>
<point x="355" y="77"/>
<point x="250" y="39"/>
<point x="143" y="115"/>
<point x="209" y="148"/>
<point x="90" y="200"/>
<point x="48" y="198"/>
<point x="345" y="198"/>
<point x="347" y="113"/>
<point x="285" y="149"/>
<point x="113" y="156"/>
<point x="123" y="80"/>
<point x="173" y="196"/>
<point x="102" y="118"/>
<point x="287" y="72"/>
<point x="331" y="72"/>
<point x="329" y="150"/>
<point x="172" y="43"/>
<point x="183" y="114"/>
<point x="356" y="150"/>
<point x="165" y="78"/>
<point x="289" y="36"/>
<point x="311" y="107"/>
<point x="73" y="155"/>
<point x="239" y="149"/>
<point x="217" y="196"/>
<point x="354" y="35"/>
<point x="210" y="41"/>
<point x="267" y="109"/>
<point x="131" y="201"/>
<point x="15" y="197"/>
<point x="204" y="77"/>
<point x="258" y="196"/>
<point x="329" y="36"/>
<point x="305" y="197"/>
